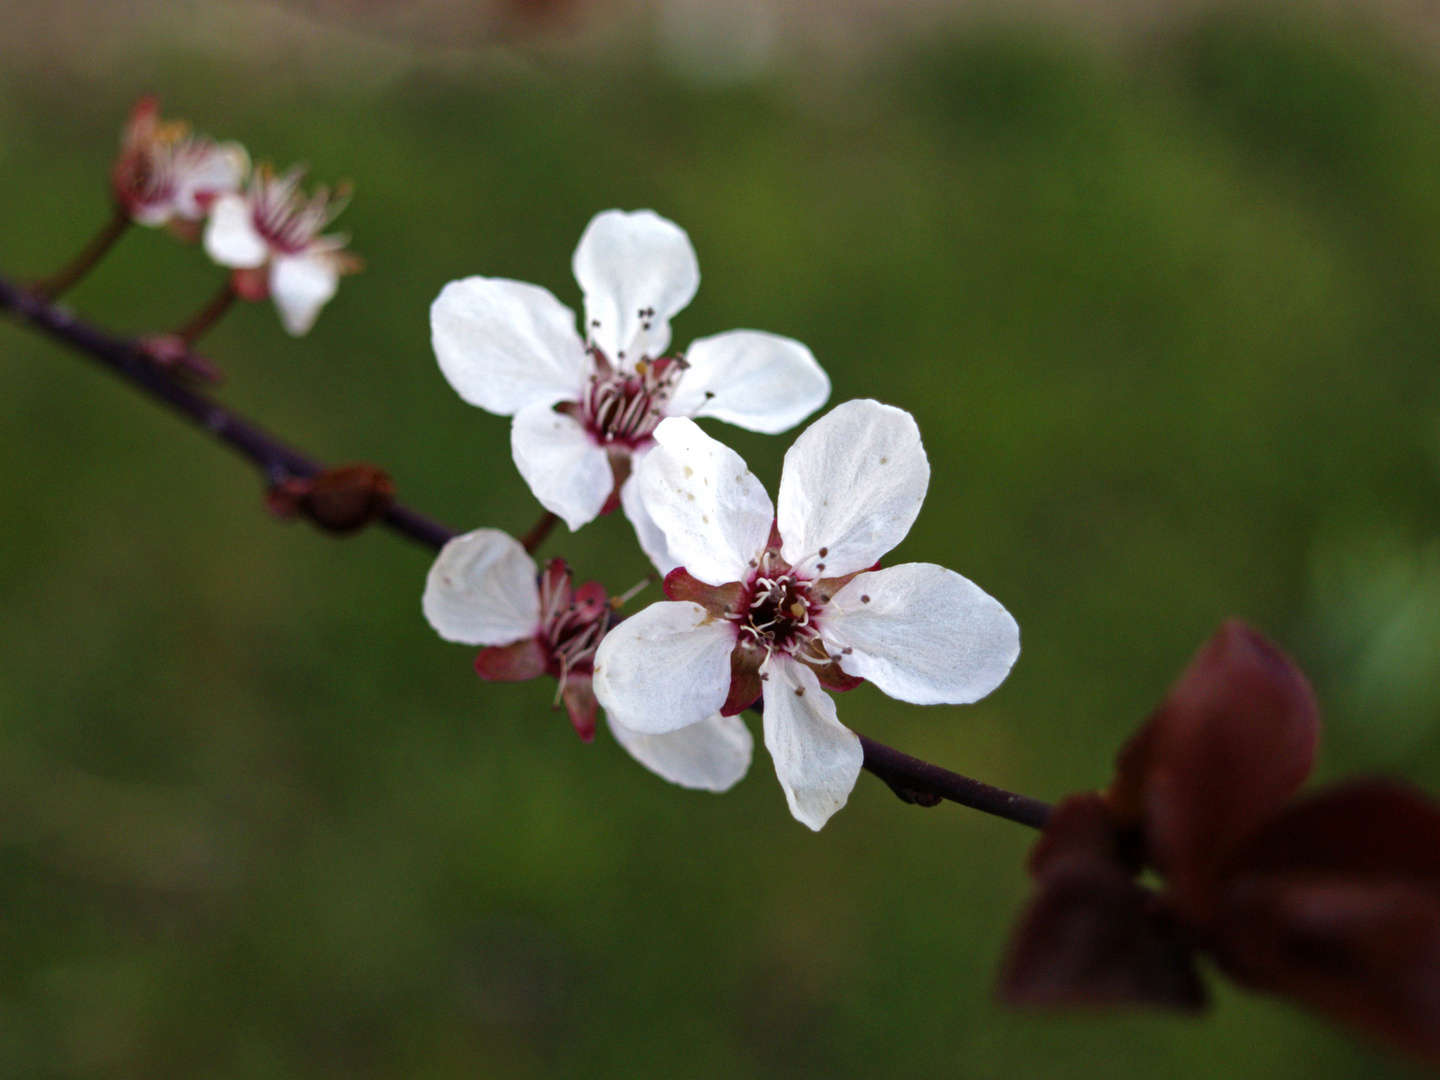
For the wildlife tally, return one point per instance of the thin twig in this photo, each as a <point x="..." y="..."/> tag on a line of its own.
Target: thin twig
<point x="61" y="283"/>
<point x="913" y="780"/>
<point x="538" y="532"/>
<point x="277" y="460"/>
<point x="923" y="784"/>
<point x="210" y="314"/>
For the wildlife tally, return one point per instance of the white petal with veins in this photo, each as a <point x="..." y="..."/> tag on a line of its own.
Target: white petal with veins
<point x="713" y="755"/>
<point x="665" y="668"/>
<point x="852" y="486"/>
<point x="637" y="271"/>
<point x="649" y="534"/>
<point x="922" y="633"/>
<point x="504" y="344"/>
<point x="231" y="238"/>
<point x="301" y="285"/>
<point x="751" y="379"/>
<point x="481" y="590"/>
<point x="816" y="757"/>
<point x="567" y="472"/>
<point x="713" y="510"/>
<point x="218" y="171"/>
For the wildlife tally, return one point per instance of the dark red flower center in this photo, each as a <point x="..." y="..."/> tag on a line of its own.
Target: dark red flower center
<point x="777" y="610"/>
<point x="572" y="621"/>
<point x="624" y="407"/>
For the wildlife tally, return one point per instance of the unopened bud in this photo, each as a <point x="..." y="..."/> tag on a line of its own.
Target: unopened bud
<point x="339" y="500"/>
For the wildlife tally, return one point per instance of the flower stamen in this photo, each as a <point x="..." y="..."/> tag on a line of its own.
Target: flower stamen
<point x="624" y="407"/>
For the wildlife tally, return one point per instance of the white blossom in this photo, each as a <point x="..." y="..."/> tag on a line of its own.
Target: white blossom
<point x="164" y="173"/>
<point x="484" y="590"/>
<point x="270" y="236"/>
<point x="586" y="407"/>
<point x="790" y="600"/>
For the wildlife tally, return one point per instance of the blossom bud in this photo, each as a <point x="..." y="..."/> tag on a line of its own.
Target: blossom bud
<point x="339" y="500"/>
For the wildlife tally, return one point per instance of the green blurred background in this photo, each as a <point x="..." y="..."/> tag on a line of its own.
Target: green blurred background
<point x="1166" y="305"/>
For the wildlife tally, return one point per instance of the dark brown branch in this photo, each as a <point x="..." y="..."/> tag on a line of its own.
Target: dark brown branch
<point x="913" y="780"/>
<point x="278" y="461"/>
<point x="923" y="784"/>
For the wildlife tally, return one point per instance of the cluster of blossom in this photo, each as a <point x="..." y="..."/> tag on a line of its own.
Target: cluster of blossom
<point x="1331" y="898"/>
<point x="259" y="225"/>
<point x="785" y="600"/>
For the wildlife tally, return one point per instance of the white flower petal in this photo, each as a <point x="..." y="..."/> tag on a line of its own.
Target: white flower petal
<point x="564" y="467"/>
<point x="921" y="633"/>
<point x="218" y="170"/>
<point x="504" y="345"/>
<point x="153" y="215"/>
<point x="714" y="512"/>
<point x="713" y="755"/>
<point x="482" y="591"/>
<point x="301" y="285"/>
<point x="852" y="485"/>
<point x="753" y="380"/>
<point x="637" y="271"/>
<point x="816" y="757"/>
<point x="230" y="235"/>
<point x="665" y="668"/>
<point x="649" y="534"/>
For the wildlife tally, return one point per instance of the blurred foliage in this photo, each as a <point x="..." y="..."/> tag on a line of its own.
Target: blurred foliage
<point x="1167" y="321"/>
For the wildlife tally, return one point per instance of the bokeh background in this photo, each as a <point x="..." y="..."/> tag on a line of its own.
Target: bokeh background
<point x="1161" y="283"/>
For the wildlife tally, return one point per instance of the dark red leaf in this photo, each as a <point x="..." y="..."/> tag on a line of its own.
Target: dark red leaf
<point x="1364" y="952"/>
<point x="1336" y="902"/>
<point x="1092" y="936"/>
<point x="1231" y="743"/>
<point x="512" y="663"/>
<point x="1373" y="829"/>
<point x="1079" y="828"/>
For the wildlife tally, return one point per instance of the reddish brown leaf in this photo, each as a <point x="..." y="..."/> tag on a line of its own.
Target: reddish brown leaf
<point x="1092" y="936"/>
<point x="1079" y="828"/>
<point x="512" y="663"/>
<point x="1336" y="902"/>
<point x="1365" y="952"/>
<point x="1373" y="829"/>
<point x="1231" y="743"/>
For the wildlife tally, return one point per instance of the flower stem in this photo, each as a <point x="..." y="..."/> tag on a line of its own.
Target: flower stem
<point x="538" y="532"/>
<point x="210" y="314"/>
<point x="913" y="780"/>
<point x="54" y="287"/>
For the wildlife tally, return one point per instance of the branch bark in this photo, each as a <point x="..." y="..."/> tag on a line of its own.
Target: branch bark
<point x="911" y="779"/>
